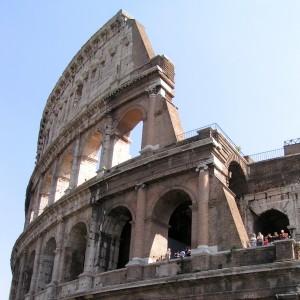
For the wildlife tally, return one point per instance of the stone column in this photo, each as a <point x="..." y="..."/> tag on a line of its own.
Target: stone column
<point x="52" y="190"/>
<point x="36" y="264"/>
<point x="38" y="198"/>
<point x="151" y="119"/>
<point x="19" y="293"/>
<point x="203" y="209"/>
<point x="52" y="286"/>
<point x="107" y="147"/>
<point x="86" y="278"/>
<point x="75" y="166"/>
<point x="57" y="259"/>
<point x="139" y="226"/>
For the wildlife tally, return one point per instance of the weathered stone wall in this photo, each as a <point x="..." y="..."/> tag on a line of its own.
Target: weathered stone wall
<point x="98" y="224"/>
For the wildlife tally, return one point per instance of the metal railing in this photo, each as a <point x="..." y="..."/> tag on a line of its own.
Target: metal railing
<point x="267" y="155"/>
<point x="255" y="157"/>
<point x="213" y="126"/>
<point x="292" y="142"/>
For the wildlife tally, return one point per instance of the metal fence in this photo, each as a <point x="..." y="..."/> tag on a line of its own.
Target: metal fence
<point x="267" y="155"/>
<point x="213" y="126"/>
<point x="292" y="142"/>
<point x="255" y="157"/>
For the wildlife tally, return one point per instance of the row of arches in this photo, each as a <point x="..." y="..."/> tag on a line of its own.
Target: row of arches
<point x="96" y="150"/>
<point x="111" y="246"/>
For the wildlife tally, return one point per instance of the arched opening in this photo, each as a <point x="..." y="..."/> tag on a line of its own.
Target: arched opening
<point x="237" y="180"/>
<point x="271" y="221"/>
<point x="136" y="140"/>
<point x="28" y="273"/>
<point x="124" y="251"/>
<point x="128" y="138"/>
<point x="45" y="192"/>
<point x="179" y="235"/>
<point x="115" y="239"/>
<point x="47" y="262"/>
<point x="173" y="229"/>
<point x="90" y="157"/>
<point x="63" y="177"/>
<point x="75" y="254"/>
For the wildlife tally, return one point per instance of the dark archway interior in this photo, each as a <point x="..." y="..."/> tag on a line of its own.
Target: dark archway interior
<point x="124" y="246"/>
<point x="28" y="272"/>
<point x="270" y="221"/>
<point x="115" y="239"/>
<point x="78" y="238"/>
<point x="179" y="235"/>
<point x="237" y="180"/>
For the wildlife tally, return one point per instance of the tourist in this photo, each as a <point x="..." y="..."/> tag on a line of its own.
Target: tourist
<point x="259" y="239"/>
<point x="168" y="254"/>
<point x="275" y="236"/>
<point x="270" y="238"/>
<point x="188" y="251"/>
<point x="253" y="240"/>
<point x="283" y="235"/>
<point x="182" y="253"/>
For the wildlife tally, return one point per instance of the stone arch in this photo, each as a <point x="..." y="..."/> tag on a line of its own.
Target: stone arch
<point x="115" y="239"/>
<point x="28" y="272"/>
<point x="126" y="124"/>
<point x="172" y="223"/>
<point x="90" y="156"/>
<point x="237" y="179"/>
<point x="271" y="221"/>
<point x="63" y="176"/>
<point x="75" y="251"/>
<point x="47" y="263"/>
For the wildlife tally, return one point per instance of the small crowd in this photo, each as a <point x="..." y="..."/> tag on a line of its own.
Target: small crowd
<point x="179" y="254"/>
<point x="260" y="240"/>
<point x="255" y="240"/>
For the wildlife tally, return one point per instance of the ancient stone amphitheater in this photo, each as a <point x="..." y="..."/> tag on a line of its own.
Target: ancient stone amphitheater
<point x="98" y="222"/>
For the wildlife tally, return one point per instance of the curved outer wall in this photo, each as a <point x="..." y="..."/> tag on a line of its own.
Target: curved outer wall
<point x="98" y="222"/>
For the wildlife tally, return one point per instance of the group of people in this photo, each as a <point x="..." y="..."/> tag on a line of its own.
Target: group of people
<point x="179" y="254"/>
<point x="260" y="240"/>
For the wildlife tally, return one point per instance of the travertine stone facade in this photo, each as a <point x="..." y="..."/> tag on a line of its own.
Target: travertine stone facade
<point x="98" y="222"/>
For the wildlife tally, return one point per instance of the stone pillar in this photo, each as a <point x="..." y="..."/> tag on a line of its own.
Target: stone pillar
<point x="19" y="293"/>
<point x="38" y="198"/>
<point x="194" y="231"/>
<point x="139" y="226"/>
<point x="107" y="147"/>
<point x="36" y="264"/>
<point x="75" y="166"/>
<point x="52" y="190"/>
<point x="151" y="119"/>
<point x="203" y="209"/>
<point x="57" y="259"/>
<point x="86" y="278"/>
<point x="58" y="262"/>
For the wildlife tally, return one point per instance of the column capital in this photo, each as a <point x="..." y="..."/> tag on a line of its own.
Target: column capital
<point x="204" y="165"/>
<point x="201" y="168"/>
<point x="152" y="90"/>
<point x="140" y="186"/>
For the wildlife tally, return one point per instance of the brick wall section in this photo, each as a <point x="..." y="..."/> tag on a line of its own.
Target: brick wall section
<point x="274" y="173"/>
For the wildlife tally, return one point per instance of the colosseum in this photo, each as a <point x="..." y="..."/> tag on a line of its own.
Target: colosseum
<point x="98" y="222"/>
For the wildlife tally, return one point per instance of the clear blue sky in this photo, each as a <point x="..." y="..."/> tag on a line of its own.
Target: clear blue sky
<point x="237" y="64"/>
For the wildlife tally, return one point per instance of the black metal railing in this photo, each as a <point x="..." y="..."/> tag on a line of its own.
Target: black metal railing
<point x="267" y="155"/>
<point x="292" y="142"/>
<point x="214" y="126"/>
